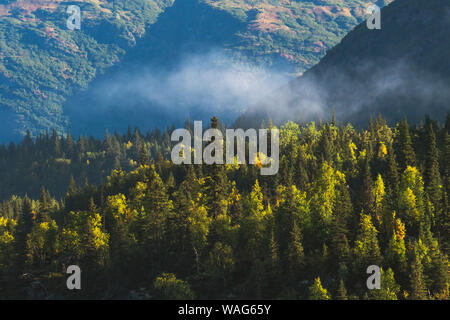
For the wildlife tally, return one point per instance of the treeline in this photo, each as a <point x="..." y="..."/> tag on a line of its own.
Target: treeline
<point x="344" y="199"/>
<point x="52" y="160"/>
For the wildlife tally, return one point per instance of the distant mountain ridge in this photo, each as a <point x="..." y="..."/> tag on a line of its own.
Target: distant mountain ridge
<point x="401" y="70"/>
<point x="42" y="64"/>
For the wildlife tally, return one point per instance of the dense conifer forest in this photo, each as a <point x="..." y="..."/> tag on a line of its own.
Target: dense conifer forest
<point x="141" y="227"/>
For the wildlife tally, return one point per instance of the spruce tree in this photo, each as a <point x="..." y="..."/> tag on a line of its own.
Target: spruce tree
<point x="340" y="227"/>
<point x="271" y="269"/>
<point x="317" y="292"/>
<point x="404" y="149"/>
<point x="367" y="250"/>
<point x="367" y="201"/>
<point x="143" y="155"/>
<point x="418" y="287"/>
<point x="72" y="190"/>
<point x="300" y="172"/>
<point x="392" y="179"/>
<point x="432" y="177"/>
<point x="342" y="292"/>
<point x="295" y="253"/>
<point x="216" y="183"/>
<point x="24" y="226"/>
<point x="43" y="205"/>
<point x="70" y="146"/>
<point x="325" y="145"/>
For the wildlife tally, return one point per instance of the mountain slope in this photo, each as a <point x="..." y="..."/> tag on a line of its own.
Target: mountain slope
<point x="402" y="69"/>
<point x="42" y="64"/>
<point x="208" y="57"/>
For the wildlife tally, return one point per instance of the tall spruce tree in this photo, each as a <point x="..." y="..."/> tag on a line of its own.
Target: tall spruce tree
<point x="340" y="227"/>
<point x="367" y="201"/>
<point x="418" y="287"/>
<point x="404" y="149"/>
<point x="432" y="177"/>
<point x="392" y="179"/>
<point x="216" y="183"/>
<point x="342" y="292"/>
<point x="444" y="218"/>
<point x="24" y="226"/>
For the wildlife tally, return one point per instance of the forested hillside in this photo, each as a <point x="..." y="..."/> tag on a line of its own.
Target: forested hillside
<point x="344" y="199"/>
<point x="53" y="160"/>
<point x="396" y="71"/>
<point x="43" y="64"/>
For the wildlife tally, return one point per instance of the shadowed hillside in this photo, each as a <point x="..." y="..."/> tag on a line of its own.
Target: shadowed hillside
<point x="399" y="70"/>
